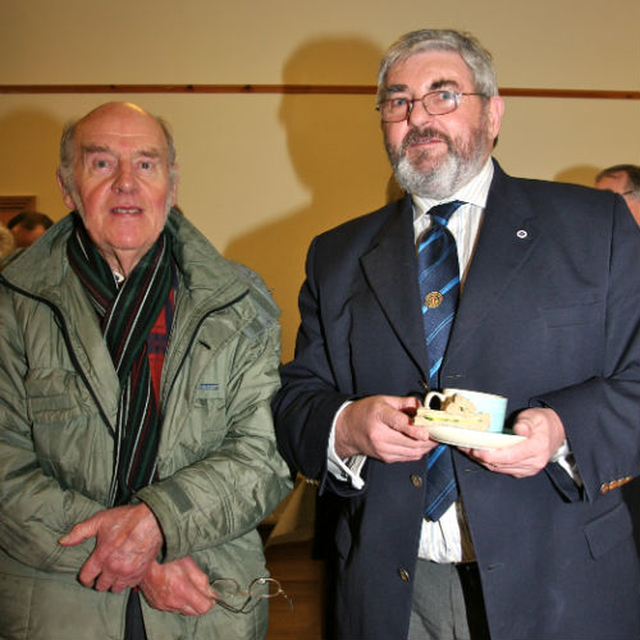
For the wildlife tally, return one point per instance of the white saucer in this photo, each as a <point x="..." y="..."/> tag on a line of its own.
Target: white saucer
<point x="472" y="439"/>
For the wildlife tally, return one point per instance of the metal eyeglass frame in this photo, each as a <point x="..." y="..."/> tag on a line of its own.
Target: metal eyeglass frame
<point x="426" y="99"/>
<point x="252" y="599"/>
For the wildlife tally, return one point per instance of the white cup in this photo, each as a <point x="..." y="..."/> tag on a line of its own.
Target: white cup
<point x="495" y="406"/>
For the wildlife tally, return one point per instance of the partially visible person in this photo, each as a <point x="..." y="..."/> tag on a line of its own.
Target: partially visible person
<point x="625" y="180"/>
<point x="7" y="241"/>
<point x="137" y="449"/>
<point x="28" y="226"/>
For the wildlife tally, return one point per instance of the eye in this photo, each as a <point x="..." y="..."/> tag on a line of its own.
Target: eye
<point x="102" y="164"/>
<point x="447" y="96"/>
<point x="398" y="103"/>
<point x="147" y="165"/>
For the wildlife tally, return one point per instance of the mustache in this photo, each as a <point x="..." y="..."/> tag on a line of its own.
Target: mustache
<point x="423" y="135"/>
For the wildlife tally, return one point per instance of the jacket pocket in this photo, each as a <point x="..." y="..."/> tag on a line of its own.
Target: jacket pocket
<point x="571" y="315"/>
<point x="56" y="396"/>
<point x="608" y="530"/>
<point x="71" y="441"/>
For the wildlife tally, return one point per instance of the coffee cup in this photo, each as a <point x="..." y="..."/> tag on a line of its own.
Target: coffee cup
<point x="494" y="405"/>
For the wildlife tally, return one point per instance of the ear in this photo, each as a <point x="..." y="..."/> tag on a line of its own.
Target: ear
<point x="175" y="170"/>
<point x="66" y="195"/>
<point x="496" y="111"/>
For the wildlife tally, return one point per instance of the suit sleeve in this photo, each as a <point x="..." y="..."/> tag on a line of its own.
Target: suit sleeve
<point x="309" y="398"/>
<point x="601" y="415"/>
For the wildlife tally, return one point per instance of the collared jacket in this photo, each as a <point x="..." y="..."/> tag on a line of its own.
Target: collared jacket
<point x="219" y="473"/>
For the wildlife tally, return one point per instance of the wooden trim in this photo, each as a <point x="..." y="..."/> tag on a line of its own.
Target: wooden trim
<point x="13" y="205"/>
<point x="519" y="92"/>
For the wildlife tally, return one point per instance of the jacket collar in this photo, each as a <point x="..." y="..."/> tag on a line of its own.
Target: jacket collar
<point x="197" y="259"/>
<point x="509" y="233"/>
<point x="390" y="267"/>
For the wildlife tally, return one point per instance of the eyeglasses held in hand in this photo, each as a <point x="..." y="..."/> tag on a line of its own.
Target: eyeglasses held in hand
<point x="436" y="103"/>
<point x="232" y="597"/>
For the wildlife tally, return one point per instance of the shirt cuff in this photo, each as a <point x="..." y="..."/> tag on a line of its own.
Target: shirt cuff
<point x="565" y="459"/>
<point x="347" y="470"/>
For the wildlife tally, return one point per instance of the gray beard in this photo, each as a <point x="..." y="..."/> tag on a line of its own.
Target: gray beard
<point x="457" y="168"/>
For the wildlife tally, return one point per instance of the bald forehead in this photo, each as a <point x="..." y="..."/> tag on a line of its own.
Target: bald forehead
<point x="121" y="119"/>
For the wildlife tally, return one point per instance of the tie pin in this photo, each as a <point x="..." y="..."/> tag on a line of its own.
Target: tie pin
<point x="433" y="300"/>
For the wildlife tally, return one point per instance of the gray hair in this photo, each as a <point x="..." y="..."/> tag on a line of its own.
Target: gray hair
<point x="477" y="58"/>
<point x="65" y="168"/>
<point x="632" y="171"/>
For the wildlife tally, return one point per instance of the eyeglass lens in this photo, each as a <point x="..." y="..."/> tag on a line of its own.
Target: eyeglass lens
<point x="435" y="102"/>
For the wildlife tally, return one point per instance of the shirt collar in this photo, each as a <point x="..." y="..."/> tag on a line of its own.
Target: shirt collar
<point x="475" y="192"/>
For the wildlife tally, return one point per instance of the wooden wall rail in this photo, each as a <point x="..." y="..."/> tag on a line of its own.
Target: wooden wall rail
<point x="291" y="88"/>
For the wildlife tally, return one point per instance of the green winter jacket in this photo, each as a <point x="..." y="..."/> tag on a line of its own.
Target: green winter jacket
<point x="219" y="470"/>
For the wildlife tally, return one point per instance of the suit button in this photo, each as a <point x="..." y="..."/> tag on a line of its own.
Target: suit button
<point x="404" y="574"/>
<point x="416" y="480"/>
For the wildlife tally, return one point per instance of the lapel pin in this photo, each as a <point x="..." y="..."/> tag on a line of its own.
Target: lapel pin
<point x="522" y="234"/>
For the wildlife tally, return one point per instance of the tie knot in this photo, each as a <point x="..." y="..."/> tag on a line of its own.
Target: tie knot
<point x="442" y="212"/>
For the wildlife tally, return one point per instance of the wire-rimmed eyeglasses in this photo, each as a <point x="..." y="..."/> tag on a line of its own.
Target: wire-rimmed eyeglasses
<point x="436" y="103"/>
<point x="232" y="597"/>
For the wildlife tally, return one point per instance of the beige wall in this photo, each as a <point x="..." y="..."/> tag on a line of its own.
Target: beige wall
<point x="262" y="174"/>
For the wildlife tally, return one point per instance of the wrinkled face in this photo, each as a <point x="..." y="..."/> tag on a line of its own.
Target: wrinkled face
<point x="434" y="156"/>
<point x="122" y="186"/>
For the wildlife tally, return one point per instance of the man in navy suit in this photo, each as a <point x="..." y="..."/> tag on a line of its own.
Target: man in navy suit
<point x="538" y="543"/>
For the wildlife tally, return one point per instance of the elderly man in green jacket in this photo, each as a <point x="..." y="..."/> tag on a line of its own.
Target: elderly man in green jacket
<point x="137" y="451"/>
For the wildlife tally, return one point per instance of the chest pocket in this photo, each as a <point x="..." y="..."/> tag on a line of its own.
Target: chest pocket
<point x="573" y="315"/>
<point x="56" y="397"/>
<point x="194" y="420"/>
<point x="70" y="438"/>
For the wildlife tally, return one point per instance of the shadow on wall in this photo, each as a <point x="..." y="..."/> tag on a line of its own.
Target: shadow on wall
<point x="33" y="137"/>
<point x="336" y="151"/>
<point x="579" y="174"/>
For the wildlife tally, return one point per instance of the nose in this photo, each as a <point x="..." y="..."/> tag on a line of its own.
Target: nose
<point x="125" y="181"/>
<point x="418" y="115"/>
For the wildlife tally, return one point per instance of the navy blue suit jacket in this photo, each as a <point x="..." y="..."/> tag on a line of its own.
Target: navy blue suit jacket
<point x="549" y="316"/>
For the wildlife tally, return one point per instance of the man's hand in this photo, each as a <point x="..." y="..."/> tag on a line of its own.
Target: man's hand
<point x="381" y="427"/>
<point x="178" y="587"/>
<point x="128" y="540"/>
<point x="544" y="434"/>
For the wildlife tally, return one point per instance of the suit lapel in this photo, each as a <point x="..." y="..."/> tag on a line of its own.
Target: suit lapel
<point x="508" y="235"/>
<point x="390" y="269"/>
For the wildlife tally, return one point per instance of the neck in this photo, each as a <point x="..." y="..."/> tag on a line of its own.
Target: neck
<point x="122" y="263"/>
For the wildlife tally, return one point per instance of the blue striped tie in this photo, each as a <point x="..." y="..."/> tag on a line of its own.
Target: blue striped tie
<point x="439" y="283"/>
